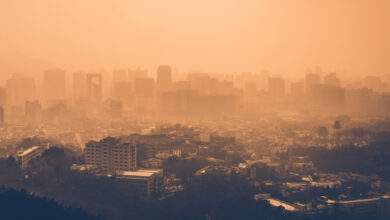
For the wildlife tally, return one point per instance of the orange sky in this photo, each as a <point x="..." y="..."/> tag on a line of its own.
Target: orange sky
<point x="284" y="36"/>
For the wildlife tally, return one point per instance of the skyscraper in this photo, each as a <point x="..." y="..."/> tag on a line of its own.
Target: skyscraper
<point x="144" y="87"/>
<point x="135" y="74"/>
<point x="3" y="97"/>
<point x="1" y="116"/>
<point x="119" y="75"/>
<point x="311" y="81"/>
<point x="94" y="87"/>
<point x="276" y="86"/>
<point x="79" y="86"/>
<point x="33" y="111"/>
<point x="20" y="89"/>
<point x="332" y="80"/>
<point x="54" y="87"/>
<point x="164" y="78"/>
<point x="297" y="89"/>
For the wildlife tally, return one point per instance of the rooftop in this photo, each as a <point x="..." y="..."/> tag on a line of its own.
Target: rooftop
<point x="139" y="173"/>
<point x="278" y="203"/>
<point x="28" y="151"/>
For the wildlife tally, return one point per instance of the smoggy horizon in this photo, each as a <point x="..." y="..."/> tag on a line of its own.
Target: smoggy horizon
<point x="195" y="36"/>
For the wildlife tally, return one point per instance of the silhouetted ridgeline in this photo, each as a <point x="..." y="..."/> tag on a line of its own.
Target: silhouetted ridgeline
<point x="18" y="205"/>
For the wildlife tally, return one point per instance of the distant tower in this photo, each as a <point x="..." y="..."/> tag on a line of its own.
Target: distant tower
<point x="311" y="81"/>
<point x="164" y="78"/>
<point x="3" y="97"/>
<point x="54" y="87"/>
<point x="144" y="87"/>
<point x="135" y="74"/>
<point x="1" y="116"/>
<point x="121" y="86"/>
<point x="276" y="86"/>
<point x="332" y="80"/>
<point x="33" y="112"/>
<point x="120" y="75"/>
<point x="297" y="89"/>
<point x="94" y="87"/>
<point x="79" y="86"/>
<point x="20" y="89"/>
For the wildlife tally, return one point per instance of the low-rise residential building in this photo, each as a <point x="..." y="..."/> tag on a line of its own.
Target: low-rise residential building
<point x="24" y="157"/>
<point x="147" y="182"/>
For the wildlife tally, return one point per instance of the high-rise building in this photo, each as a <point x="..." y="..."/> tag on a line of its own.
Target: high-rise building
<point x="111" y="155"/>
<point x="331" y="98"/>
<point x="20" y="89"/>
<point x="54" y="87"/>
<point x="79" y="86"/>
<point x="144" y="87"/>
<point x="136" y="73"/>
<point x="311" y="81"/>
<point x="250" y="89"/>
<point x="122" y="91"/>
<point x="332" y="80"/>
<point x="164" y="78"/>
<point x="3" y="97"/>
<point x="1" y="116"/>
<point x="276" y="86"/>
<point x="297" y="89"/>
<point x="94" y="87"/>
<point x="33" y="111"/>
<point x="120" y="75"/>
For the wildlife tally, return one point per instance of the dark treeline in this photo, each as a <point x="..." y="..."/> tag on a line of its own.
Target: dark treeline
<point x="23" y="206"/>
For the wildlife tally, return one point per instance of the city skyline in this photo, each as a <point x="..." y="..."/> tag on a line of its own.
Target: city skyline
<point x="195" y="109"/>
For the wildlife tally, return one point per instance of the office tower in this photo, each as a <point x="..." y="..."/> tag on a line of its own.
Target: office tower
<point x="297" y="89"/>
<point x="250" y="89"/>
<point x="164" y="78"/>
<point x="331" y="98"/>
<point x="54" y="87"/>
<point x="79" y="86"/>
<point x="122" y="91"/>
<point x="20" y="89"/>
<point x="121" y="85"/>
<point x="114" y="108"/>
<point x="182" y="85"/>
<point x="375" y="83"/>
<point x="144" y="87"/>
<point x="332" y="80"/>
<point x="2" y="116"/>
<point x="135" y="74"/>
<point x="33" y="112"/>
<point x="94" y="87"/>
<point x="3" y="97"/>
<point x="111" y="155"/>
<point x="311" y="81"/>
<point x="120" y="75"/>
<point x="360" y="101"/>
<point x="227" y="88"/>
<point x="203" y="83"/>
<point x="276" y="86"/>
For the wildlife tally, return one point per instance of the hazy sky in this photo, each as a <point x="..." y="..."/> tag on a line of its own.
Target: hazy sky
<point x="285" y="36"/>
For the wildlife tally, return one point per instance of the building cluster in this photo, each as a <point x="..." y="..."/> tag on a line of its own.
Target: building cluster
<point x="119" y="157"/>
<point x="133" y="92"/>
